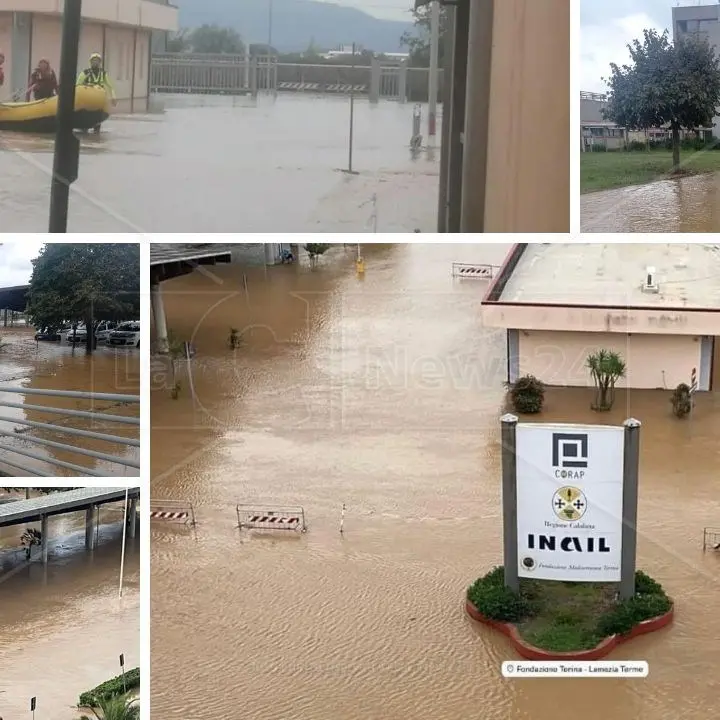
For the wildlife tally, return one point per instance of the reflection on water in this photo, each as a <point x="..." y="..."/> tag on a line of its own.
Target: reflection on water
<point x="55" y="366"/>
<point x="233" y="165"/>
<point x="384" y="393"/>
<point x="62" y="628"/>
<point x="686" y="205"/>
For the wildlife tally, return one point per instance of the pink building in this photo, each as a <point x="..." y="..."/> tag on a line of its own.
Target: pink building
<point x="658" y="305"/>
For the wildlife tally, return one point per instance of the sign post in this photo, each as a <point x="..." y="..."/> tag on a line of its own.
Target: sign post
<point x="631" y="465"/>
<point x="509" y="499"/>
<point x="33" y="704"/>
<point x="122" y="671"/>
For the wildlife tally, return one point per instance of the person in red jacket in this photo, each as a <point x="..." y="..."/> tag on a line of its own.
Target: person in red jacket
<point x="43" y="82"/>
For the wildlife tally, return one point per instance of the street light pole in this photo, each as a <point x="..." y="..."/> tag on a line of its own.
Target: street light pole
<point x="270" y="23"/>
<point x="433" y="77"/>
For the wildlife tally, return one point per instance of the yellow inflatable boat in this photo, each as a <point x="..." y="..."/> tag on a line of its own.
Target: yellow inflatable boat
<point x="91" y="109"/>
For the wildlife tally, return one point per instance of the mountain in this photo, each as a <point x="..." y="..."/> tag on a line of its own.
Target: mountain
<point x="296" y="23"/>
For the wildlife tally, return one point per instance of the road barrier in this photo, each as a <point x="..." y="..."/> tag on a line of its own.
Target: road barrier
<point x="23" y="436"/>
<point x="172" y="510"/>
<point x="711" y="538"/>
<point x="471" y="270"/>
<point x="263" y="517"/>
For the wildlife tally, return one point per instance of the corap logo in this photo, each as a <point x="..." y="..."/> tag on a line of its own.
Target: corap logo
<point x="569" y="504"/>
<point x="569" y="455"/>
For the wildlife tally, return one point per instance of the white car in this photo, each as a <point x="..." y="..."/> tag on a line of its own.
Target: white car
<point x="126" y="334"/>
<point x="102" y="333"/>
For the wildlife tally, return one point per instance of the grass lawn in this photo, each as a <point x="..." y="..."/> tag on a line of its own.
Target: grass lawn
<point x="567" y="614"/>
<point x="605" y="170"/>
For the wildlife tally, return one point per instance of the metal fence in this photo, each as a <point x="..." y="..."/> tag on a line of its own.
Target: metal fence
<point x="54" y="439"/>
<point x="196" y="73"/>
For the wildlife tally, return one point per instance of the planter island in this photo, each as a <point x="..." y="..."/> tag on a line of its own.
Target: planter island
<point x="550" y="620"/>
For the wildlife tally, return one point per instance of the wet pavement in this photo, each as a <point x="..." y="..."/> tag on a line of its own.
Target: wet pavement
<point x="384" y="392"/>
<point x="211" y="164"/>
<point x="55" y="366"/>
<point x="63" y="628"/>
<point x="684" y="205"/>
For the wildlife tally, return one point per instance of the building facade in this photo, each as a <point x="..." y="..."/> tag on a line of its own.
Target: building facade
<point x="121" y="31"/>
<point x="658" y="306"/>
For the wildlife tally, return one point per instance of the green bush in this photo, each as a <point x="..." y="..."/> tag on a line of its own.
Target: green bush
<point x="527" y="394"/>
<point x="681" y="400"/>
<point x="110" y="688"/>
<point x="598" y="147"/>
<point x="645" y="585"/>
<point x="495" y="601"/>
<point x="628" y="613"/>
<point x="636" y="146"/>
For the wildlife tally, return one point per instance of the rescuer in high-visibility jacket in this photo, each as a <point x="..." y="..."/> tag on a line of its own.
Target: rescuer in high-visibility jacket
<point x="97" y="75"/>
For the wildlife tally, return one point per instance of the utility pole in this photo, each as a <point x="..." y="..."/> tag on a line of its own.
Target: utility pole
<point x="270" y="24"/>
<point x="67" y="146"/>
<point x="433" y="77"/>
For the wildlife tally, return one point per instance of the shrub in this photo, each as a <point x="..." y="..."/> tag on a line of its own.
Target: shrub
<point x="598" y="147"/>
<point x="495" y="601"/>
<point x="636" y="146"/>
<point x="527" y="394"/>
<point x="681" y="400"/>
<point x="110" y="688"/>
<point x="645" y="585"/>
<point x="628" y="613"/>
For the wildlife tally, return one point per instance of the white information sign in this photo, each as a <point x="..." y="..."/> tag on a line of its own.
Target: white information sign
<point x="569" y="501"/>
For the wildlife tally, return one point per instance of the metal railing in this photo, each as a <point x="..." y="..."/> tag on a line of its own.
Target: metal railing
<point x="711" y="538"/>
<point x="173" y="510"/>
<point x="60" y="430"/>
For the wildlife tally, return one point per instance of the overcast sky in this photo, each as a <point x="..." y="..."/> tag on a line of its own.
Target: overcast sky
<point x="387" y="9"/>
<point x="607" y="26"/>
<point x="15" y="265"/>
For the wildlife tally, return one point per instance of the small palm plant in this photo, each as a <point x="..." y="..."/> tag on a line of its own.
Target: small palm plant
<point x="606" y="368"/>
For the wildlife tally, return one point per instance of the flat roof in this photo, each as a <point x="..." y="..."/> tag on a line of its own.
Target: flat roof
<point x="60" y="502"/>
<point x="687" y="275"/>
<point x="183" y="252"/>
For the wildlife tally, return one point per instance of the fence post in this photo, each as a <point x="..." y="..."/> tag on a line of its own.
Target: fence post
<point x="402" y="82"/>
<point x="374" y="81"/>
<point x="254" y="77"/>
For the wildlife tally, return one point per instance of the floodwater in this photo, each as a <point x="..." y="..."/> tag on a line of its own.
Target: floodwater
<point x="684" y="205"/>
<point x="210" y="164"/>
<point x="384" y="392"/>
<point x="55" y="366"/>
<point x="63" y="627"/>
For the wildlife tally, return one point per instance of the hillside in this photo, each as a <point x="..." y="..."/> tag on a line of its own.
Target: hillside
<point x="296" y="23"/>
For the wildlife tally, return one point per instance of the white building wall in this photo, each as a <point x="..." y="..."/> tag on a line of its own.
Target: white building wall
<point x="653" y="361"/>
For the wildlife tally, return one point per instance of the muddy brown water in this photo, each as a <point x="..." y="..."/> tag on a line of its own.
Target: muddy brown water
<point x="63" y="628"/>
<point x="385" y="393"/>
<point x="683" y="205"/>
<point x="55" y="366"/>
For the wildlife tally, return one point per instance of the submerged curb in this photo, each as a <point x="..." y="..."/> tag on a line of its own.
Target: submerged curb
<point x="530" y="652"/>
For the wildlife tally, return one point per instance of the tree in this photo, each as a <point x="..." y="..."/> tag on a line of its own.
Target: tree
<point x="666" y="85"/>
<point x="84" y="283"/>
<point x="606" y="368"/>
<point x="216" y="39"/>
<point x="179" y="42"/>
<point x="681" y="400"/>
<point x="314" y="250"/>
<point x="417" y="41"/>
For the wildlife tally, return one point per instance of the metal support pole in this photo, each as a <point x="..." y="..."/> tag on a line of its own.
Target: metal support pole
<point x="132" y="518"/>
<point x="631" y="466"/>
<point x="159" y="317"/>
<point x="509" y="500"/>
<point x="89" y="538"/>
<point x="352" y="112"/>
<point x="44" y="538"/>
<point x="450" y="19"/>
<point x="374" y="95"/>
<point x="458" y="82"/>
<point x="67" y="146"/>
<point x="122" y="550"/>
<point x="433" y="74"/>
<point x="254" y="77"/>
<point x="402" y="82"/>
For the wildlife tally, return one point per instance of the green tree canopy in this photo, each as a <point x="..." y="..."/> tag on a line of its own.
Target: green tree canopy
<point x="84" y="283"/>
<point x="212" y="39"/>
<point x="417" y="41"/>
<point x="666" y="84"/>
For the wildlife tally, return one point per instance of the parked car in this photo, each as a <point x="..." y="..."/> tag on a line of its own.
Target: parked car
<point x="103" y="330"/>
<point x="126" y="334"/>
<point x="48" y="334"/>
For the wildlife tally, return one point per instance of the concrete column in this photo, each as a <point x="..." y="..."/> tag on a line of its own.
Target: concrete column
<point x="132" y="517"/>
<point x="89" y="528"/>
<point x="246" y="68"/>
<point x="528" y="182"/>
<point x="374" y="95"/>
<point x="44" y="531"/>
<point x="159" y="316"/>
<point x="254" y="77"/>
<point x="402" y="82"/>
<point x="272" y="253"/>
<point x="27" y="493"/>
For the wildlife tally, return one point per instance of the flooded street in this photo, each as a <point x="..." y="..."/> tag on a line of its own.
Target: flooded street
<point x="685" y="205"/>
<point x="63" y="627"/>
<point x="213" y="164"/>
<point x="54" y="366"/>
<point x="384" y="392"/>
